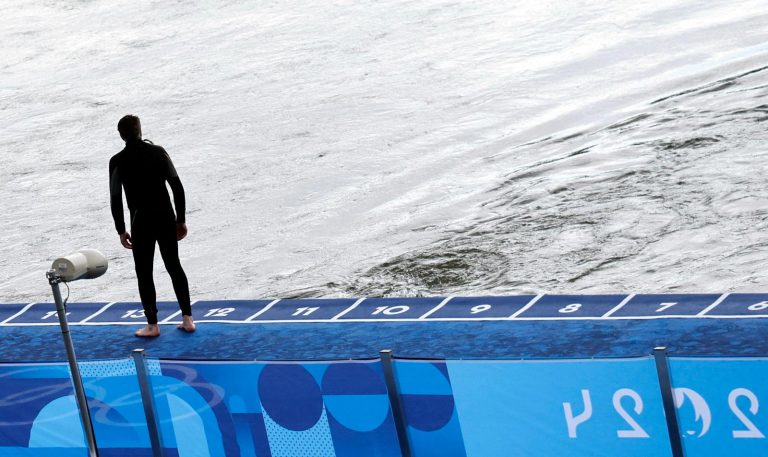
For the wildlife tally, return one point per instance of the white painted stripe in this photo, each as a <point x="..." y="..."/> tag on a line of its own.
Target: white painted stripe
<point x="620" y="305"/>
<point x="263" y="310"/>
<point x="354" y="305"/>
<point x="103" y="308"/>
<point x="26" y="307"/>
<point x="167" y="320"/>
<point x="526" y="307"/>
<point x="713" y="305"/>
<point x="436" y="308"/>
<point x="439" y="319"/>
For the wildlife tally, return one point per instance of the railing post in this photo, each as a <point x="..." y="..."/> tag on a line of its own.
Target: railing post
<point x="401" y="425"/>
<point x="74" y="368"/>
<point x="148" y="399"/>
<point x="668" y="398"/>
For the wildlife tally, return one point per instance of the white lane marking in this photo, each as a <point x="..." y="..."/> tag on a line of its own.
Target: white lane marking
<point x="620" y="305"/>
<point x="25" y="308"/>
<point x="437" y="319"/>
<point x="713" y="305"/>
<point x="354" y="305"/>
<point x="103" y="308"/>
<point x="526" y="307"/>
<point x="262" y="311"/>
<point x="167" y="320"/>
<point x="436" y="308"/>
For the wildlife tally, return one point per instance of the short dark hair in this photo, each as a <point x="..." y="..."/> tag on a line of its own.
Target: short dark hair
<point x="129" y="127"/>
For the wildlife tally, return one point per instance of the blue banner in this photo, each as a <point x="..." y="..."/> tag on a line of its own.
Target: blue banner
<point x="721" y="405"/>
<point x="39" y="414"/>
<point x="534" y="408"/>
<point x="250" y="409"/>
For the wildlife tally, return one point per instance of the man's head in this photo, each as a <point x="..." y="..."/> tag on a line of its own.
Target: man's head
<point x="129" y="127"/>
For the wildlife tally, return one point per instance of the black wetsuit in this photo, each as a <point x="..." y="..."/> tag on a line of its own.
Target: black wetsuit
<point x="142" y="169"/>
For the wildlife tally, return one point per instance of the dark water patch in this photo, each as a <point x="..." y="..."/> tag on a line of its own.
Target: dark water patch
<point x="715" y="86"/>
<point x="579" y="152"/>
<point x="430" y="271"/>
<point x="719" y="87"/>
<point x="690" y="143"/>
<point x="599" y="266"/>
<point x="628" y="122"/>
<point x="568" y="137"/>
<point x="758" y="108"/>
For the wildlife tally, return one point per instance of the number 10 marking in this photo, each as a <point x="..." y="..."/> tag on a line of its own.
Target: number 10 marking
<point x="390" y="310"/>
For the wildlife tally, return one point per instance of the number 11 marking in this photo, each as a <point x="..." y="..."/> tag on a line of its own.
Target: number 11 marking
<point x="304" y="311"/>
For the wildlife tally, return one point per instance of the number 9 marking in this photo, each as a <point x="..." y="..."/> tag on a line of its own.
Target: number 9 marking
<point x="479" y="309"/>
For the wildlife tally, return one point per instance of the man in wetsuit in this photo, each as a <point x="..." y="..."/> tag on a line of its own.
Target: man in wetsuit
<point x="142" y="169"/>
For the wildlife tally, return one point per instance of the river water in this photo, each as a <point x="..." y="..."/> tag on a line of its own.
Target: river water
<point x="396" y="147"/>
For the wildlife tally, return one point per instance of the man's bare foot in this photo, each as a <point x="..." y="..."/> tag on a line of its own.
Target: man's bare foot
<point x="149" y="330"/>
<point x="187" y="324"/>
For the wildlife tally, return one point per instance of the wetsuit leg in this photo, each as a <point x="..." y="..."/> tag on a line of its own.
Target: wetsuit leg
<point x="143" y="257"/>
<point x="169" y="250"/>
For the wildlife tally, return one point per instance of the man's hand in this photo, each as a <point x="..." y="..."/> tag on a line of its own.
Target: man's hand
<point x="181" y="231"/>
<point x="125" y="240"/>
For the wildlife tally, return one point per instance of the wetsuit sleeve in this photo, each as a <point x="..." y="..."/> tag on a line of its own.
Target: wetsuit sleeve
<point x="116" y="197"/>
<point x="179" y="200"/>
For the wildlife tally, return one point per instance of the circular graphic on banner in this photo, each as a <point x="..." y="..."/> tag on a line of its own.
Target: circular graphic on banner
<point x="426" y="395"/>
<point x="290" y="396"/>
<point x="356" y="396"/>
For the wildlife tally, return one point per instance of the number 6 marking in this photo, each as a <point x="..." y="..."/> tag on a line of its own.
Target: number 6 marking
<point x="637" y="431"/>
<point x="758" y="306"/>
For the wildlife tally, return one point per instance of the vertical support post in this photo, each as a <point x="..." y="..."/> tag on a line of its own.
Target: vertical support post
<point x="148" y="399"/>
<point x="394" y="400"/>
<point x="668" y="398"/>
<point x="74" y="369"/>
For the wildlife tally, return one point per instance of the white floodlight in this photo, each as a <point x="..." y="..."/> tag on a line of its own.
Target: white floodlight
<point x="84" y="264"/>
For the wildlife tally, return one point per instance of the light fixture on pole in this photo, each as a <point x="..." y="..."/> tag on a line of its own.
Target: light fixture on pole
<point x="84" y="264"/>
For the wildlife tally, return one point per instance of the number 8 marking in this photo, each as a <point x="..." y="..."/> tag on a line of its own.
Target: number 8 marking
<point x="572" y="308"/>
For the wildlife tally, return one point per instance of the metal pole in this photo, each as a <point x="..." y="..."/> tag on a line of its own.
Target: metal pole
<point x="147" y="398"/>
<point x="668" y="399"/>
<point x="401" y="425"/>
<point x="77" y="382"/>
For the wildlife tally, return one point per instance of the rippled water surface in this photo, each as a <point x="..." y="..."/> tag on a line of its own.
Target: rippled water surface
<point x="396" y="147"/>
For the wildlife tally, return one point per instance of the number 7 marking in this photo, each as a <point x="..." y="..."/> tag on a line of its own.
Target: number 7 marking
<point x="664" y="306"/>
